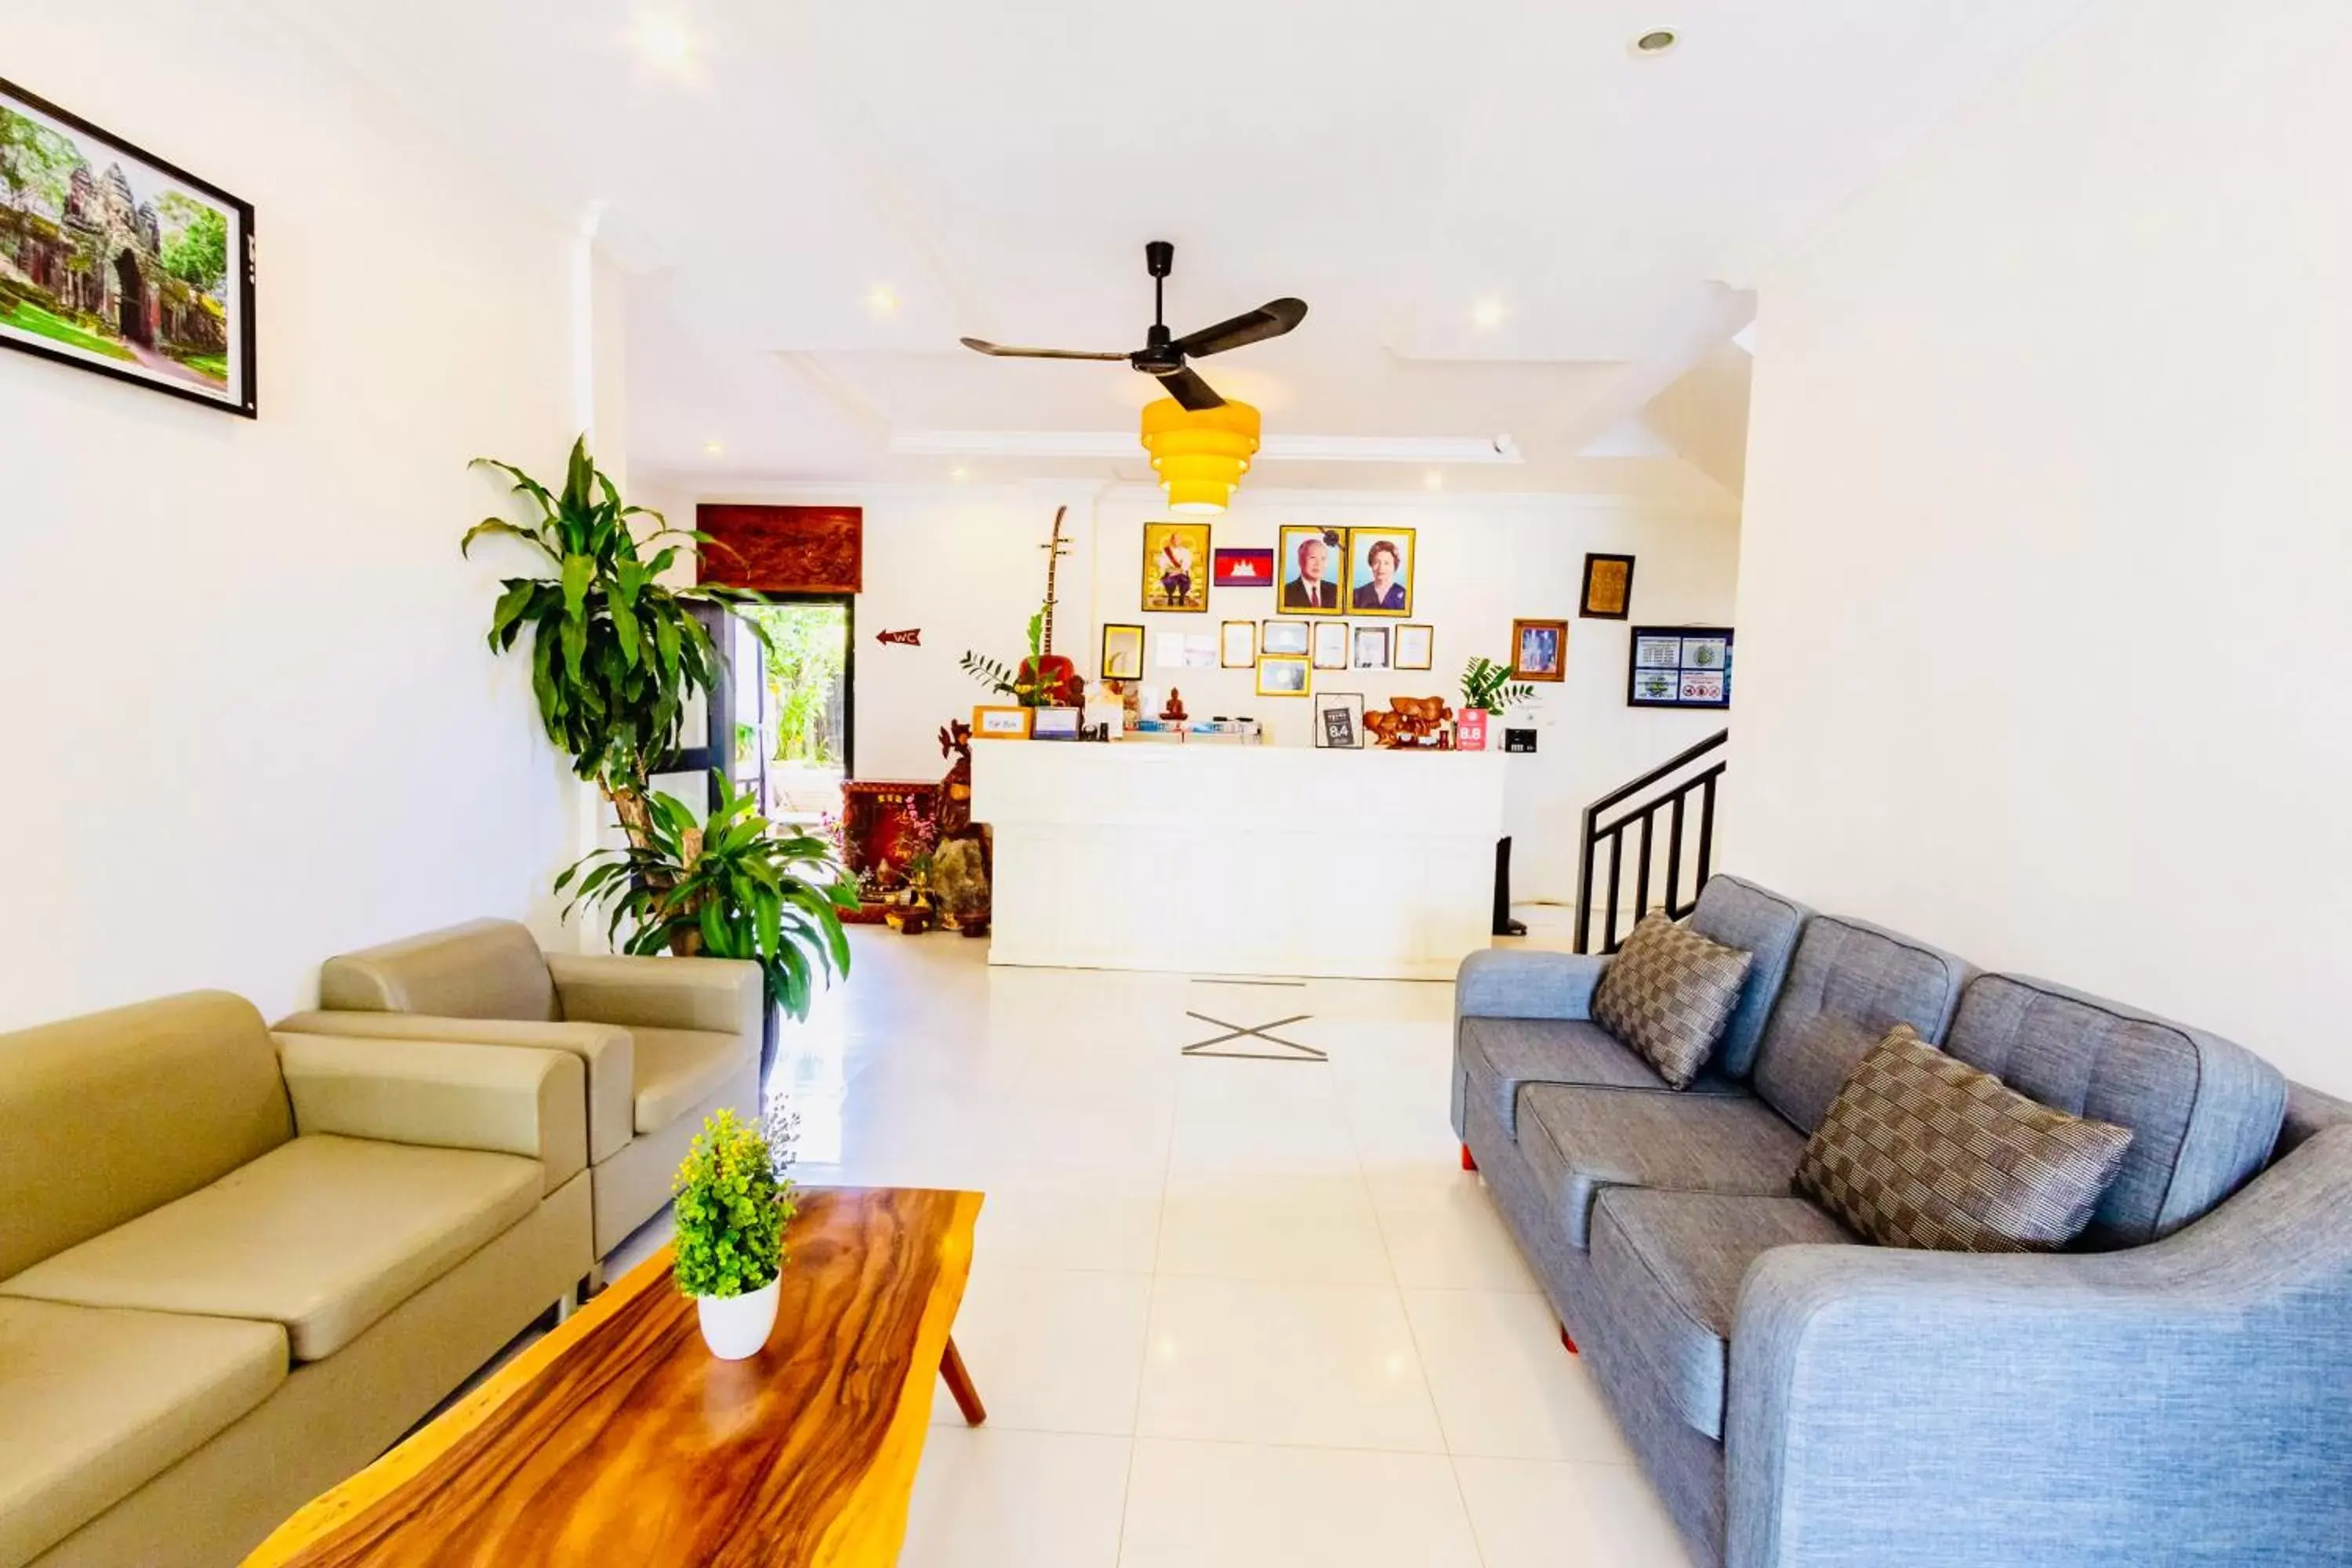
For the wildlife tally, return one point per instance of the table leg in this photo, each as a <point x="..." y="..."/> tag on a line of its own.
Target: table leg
<point x="966" y="1397"/>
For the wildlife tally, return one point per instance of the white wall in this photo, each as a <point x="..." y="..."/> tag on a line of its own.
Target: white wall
<point x="2047" y="560"/>
<point x="248" y="718"/>
<point x="963" y="563"/>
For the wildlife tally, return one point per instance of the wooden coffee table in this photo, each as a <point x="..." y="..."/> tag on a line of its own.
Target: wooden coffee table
<point x="619" y="1438"/>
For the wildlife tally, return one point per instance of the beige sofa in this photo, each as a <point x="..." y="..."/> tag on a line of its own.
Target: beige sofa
<point x="233" y="1269"/>
<point x="666" y="1041"/>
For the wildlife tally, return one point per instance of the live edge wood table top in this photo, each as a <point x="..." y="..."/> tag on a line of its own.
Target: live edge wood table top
<point x="619" y="1438"/>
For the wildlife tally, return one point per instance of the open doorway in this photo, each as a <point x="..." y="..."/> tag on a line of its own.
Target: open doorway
<point x="793" y="732"/>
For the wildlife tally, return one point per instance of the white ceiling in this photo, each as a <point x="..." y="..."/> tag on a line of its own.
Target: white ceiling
<point x="997" y="167"/>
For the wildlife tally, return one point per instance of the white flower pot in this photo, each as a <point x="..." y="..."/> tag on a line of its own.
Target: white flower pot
<point x="735" y="1327"/>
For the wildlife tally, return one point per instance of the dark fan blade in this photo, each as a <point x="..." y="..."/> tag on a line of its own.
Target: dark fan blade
<point x="1190" y="390"/>
<point x="982" y="346"/>
<point x="1270" y="320"/>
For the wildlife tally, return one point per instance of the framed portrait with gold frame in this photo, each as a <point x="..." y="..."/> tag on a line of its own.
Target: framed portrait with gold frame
<point x="1380" y="571"/>
<point x="1176" y="565"/>
<point x="1310" y="564"/>
<point x="1284" y="675"/>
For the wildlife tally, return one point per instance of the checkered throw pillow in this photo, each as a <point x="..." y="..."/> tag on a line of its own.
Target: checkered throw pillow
<point x="1668" y="994"/>
<point x="1921" y="1149"/>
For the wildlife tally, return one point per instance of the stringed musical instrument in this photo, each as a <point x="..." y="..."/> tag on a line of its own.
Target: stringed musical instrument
<point x="1052" y="673"/>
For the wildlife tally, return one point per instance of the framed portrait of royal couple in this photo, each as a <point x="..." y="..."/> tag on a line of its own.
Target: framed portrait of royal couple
<point x="1344" y="571"/>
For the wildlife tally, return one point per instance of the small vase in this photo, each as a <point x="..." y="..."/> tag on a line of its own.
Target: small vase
<point x="736" y="1327"/>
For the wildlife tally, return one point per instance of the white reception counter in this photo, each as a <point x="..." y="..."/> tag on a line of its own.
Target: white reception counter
<point x="1226" y="859"/>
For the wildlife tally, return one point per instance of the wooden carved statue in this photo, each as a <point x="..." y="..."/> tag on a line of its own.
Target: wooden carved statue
<point x="955" y="790"/>
<point x="959" y="865"/>
<point x="1411" y="723"/>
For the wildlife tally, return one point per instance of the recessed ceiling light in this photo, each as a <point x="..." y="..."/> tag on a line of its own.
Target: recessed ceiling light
<point x="714" y="447"/>
<point x="1433" y="480"/>
<point x="882" y="300"/>
<point x="1487" y="314"/>
<point x="1656" y="41"/>
<point x="959" y="473"/>
<point x="664" y="41"/>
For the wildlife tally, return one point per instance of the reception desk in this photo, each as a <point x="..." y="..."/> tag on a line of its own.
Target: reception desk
<point x="1226" y="859"/>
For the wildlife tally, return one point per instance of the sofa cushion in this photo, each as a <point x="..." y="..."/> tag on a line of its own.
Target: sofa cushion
<point x="2203" y="1112"/>
<point x="323" y="1234"/>
<point x="1501" y="1056"/>
<point x="99" y="1403"/>
<point x="1668" y="994"/>
<point x="1765" y="926"/>
<point x="678" y="1069"/>
<point x="1921" y="1149"/>
<point x="107" y="1116"/>
<point x="482" y="969"/>
<point x="1848" y="984"/>
<point x="1580" y="1141"/>
<point x="1670" y="1265"/>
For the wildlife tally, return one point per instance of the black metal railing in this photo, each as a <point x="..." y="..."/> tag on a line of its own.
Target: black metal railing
<point x="1674" y="802"/>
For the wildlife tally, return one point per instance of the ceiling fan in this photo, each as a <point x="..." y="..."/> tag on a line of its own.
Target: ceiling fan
<point x="1164" y="356"/>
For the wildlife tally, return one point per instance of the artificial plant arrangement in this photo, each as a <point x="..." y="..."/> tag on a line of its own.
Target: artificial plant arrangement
<point x="1488" y="687"/>
<point x="732" y="885"/>
<point x="1042" y="680"/>
<point x="614" y="651"/>
<point x="732" y="1198"/>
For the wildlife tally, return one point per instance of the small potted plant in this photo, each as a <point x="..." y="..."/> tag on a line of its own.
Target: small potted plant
<point x="732" y="1200"/>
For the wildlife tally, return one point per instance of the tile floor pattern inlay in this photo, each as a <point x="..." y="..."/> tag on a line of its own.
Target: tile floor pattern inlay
<point x="1224" y="1312"/>
<point x="1290" y="1051"/>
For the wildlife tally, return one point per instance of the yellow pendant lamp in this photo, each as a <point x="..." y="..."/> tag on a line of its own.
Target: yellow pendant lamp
<point x="1199" y="455"/>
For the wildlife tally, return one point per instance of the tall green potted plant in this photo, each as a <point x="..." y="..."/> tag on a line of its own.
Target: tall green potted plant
<point x="730" y="885"/>
<point x="614" y="652"/>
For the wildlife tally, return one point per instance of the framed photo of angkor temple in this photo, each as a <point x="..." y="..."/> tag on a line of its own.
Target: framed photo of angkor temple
<point x="119" y="262"/>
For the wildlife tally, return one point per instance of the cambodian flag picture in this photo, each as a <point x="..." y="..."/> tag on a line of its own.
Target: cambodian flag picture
<point x="1244" y="569"/>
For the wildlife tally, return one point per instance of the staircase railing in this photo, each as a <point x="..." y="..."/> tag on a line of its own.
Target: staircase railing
<point x="1674" y="802"/>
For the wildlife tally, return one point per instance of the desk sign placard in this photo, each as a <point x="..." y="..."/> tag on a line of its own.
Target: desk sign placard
<point x="1680" y="666"/>
<point x="1000" y="723"/>
<point x="1053" y="724"/>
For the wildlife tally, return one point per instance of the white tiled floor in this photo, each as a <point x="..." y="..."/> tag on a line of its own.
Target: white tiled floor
<point x="1226" y="1312"/>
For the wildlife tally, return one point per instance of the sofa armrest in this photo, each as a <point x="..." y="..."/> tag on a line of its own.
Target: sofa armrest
<point x="445" y="1094"/>
<point x="606" y="1050"/>
<point x="2180" y="1403"/>
<point x="721" y="995"/>
<point x="1523" y="982"/>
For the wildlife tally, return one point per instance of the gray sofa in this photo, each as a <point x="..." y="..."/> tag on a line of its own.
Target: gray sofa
<point x="2174" y="1389"/>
